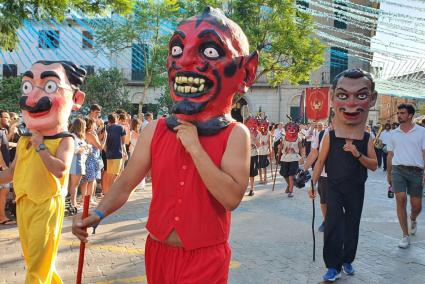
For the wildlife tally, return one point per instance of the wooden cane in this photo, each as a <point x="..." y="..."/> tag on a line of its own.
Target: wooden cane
<point x="271" y="166"/>
<point x="275" y="171"/>
<point x="83" y="244"/>
<point x="312" y="224"/>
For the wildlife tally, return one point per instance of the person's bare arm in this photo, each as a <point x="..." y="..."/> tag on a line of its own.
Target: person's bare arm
<point x="320" y="164"/>
<point x="390" y="156"/>
<point x="93" y="139"/>
<point x="369" y="160"/>
<point x="2" y="161"/>
<point x="56" y="164"/>
<point x="136" y="170"/>
<point x="6" y="175"/>
<point x="323" y="155"/>
<point x="314" y="153"/>
<point x="228" y="183"/>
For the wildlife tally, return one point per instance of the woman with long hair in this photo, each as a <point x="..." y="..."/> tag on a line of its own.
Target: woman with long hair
<point x="78" y="165"/>
<point x="134" y="136"/>
<point x="93" y="167"/>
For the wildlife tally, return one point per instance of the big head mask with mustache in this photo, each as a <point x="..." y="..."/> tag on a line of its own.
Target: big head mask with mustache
<point x="352" y="95"/>
<point x="208" y="63"/>
<point x="50" y="90"/>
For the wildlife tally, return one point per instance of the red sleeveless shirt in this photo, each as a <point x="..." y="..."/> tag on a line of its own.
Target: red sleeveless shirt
<point x="180" y="199"/>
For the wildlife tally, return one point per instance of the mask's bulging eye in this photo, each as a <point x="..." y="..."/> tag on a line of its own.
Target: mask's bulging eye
<point x="342" y="96"/>
<point x="26" y="87"/>
<point x="176" y="50"/>
<point x="362" y="96"/>
<point x="50" y="87"/>
<point x="211" y="52"/>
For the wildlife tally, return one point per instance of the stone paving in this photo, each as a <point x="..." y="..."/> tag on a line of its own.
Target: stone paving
<point x="271" y="239"/>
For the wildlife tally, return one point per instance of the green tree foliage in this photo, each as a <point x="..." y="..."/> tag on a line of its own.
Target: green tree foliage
<point x="10" y="92"/>
<point x="149" y="26"/>
<point x="107" y="88"/>
<point x="165" y="101"/>
<point x="14" y="12"/>
<point x="282" y="35"/>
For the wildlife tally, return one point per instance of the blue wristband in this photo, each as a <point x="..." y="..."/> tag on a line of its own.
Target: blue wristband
<point x="99" y="213"/>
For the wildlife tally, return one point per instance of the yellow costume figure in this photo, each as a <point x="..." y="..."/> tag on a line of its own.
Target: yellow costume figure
<point x="40" y="171"/>
<point x="40" y="209"/>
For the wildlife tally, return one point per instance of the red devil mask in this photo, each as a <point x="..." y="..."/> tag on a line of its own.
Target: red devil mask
<point x="264" y="126"/>
<point x="291" y="131"/>
<point x="252" y="124"/>
<point x="208" y="63"/>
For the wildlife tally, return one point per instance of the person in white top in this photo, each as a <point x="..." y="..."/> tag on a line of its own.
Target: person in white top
<point x="264" y="150"/>
<point x="384" y="137"/>
<point x="405" y="165"/>
<point x="252" y="124"/>
<point x="292" y="149"/>
<point x="322" y="186"/>
<point x="278" y="134"/>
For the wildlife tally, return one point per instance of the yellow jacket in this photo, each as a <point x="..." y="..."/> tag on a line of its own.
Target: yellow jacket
<point x="31" y="178"/>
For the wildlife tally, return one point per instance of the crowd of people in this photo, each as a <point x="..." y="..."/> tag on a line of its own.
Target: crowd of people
<point x="399" y="149"/>
<point x="101" y="151"/>
<point x="199" y="157"/>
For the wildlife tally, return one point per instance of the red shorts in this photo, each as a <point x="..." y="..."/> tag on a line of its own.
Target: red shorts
<point x="167" y="264"/>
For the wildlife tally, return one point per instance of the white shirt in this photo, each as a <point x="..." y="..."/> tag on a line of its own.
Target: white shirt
<point x="385" y="136"/>
<point x="277" y="135"/>
<point x="290" y="151"/>
<point x="309" y="135"/>
<point x="407" y="147"/>
<point x="263" y="149"/>
<point x="254" y="140"/>
<point x="315" y="145"/>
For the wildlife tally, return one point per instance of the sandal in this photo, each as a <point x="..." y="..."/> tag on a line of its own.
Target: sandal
<point x="8" y="222"/>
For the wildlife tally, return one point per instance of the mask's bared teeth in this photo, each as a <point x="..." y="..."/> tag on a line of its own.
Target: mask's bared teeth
<point x="175" y="86"/>
<point x="183" y="79"/>
<point x="177" y="80"/>
<point x="187" y="89"/>
<point x="201" y="81"/>
<point x="193" y="90"/>
<point x="190" y="79"/>
<point x="180" y="89"/>
<point x="196" y="81"/>
<point x="201" y="88"/>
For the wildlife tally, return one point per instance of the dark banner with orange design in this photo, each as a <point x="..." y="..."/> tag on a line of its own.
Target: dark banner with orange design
<point x="317" y="103"/>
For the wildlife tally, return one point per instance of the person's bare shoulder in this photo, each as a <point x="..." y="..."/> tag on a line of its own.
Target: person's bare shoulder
<point x="239" y="131"/>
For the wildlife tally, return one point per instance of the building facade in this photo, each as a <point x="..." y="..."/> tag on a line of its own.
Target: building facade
<point x="73" y="40"/>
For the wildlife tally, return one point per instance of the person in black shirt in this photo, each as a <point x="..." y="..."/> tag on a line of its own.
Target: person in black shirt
<point x="348" y="153"/>
<point x="4" y="163"/>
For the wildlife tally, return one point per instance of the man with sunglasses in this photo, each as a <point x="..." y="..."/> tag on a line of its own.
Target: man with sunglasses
<point x="50" y="90"/>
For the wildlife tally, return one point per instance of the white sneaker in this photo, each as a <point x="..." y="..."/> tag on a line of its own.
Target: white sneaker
<point x="404" y="242"/>
<point x="413" y="227"/>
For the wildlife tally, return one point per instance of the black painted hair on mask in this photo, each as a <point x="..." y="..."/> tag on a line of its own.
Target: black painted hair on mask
<point x="74" y="73"/>
<point x="354" y="73"/>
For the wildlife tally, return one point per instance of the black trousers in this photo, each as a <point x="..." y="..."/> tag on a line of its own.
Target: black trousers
<point x="379" y="157"/>
<point x="307" y="147"/>
<point x="384" y="158"/>
<point x="344" y="209"/>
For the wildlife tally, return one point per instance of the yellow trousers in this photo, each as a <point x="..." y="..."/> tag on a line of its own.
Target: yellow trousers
<point x="40" y="227"/>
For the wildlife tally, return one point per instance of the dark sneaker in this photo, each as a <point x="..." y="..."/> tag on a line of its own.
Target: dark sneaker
<point x="322" y="227"/>
<point x="251" y="193"/>
<point x="331" y="275"/>
<point x="348" y="269"/>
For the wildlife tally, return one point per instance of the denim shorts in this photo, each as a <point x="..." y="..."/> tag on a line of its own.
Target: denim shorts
<point x="407" y="179"/>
